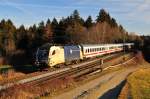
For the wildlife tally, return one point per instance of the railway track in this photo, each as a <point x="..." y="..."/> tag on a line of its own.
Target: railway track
<point x="74" y="70"/>
<point x="71" y="72"/>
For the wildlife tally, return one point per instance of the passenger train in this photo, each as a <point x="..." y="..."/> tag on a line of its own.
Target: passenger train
<point x="53" y="55"/>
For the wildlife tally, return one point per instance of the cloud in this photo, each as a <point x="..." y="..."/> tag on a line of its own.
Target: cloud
<point x="8" y="3"/>
<point x="141" y="12"/>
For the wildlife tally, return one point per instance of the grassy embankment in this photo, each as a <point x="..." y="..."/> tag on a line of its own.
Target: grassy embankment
<point x="137" y="86"/>
<point x="139" y="83"/>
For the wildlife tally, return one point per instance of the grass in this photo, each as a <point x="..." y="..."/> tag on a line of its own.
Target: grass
<point x="139" y="83"/>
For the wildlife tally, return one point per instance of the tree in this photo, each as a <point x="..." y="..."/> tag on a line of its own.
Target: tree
<point x="9" y="30"/>
<point x="32" y="34"/>
<point x="2" y="49"/>
<point x="54" y="24"/>
<point x="22" y="38"/>
<point x="48" y="32"/>
<point x="76" y="15"/>
<point x="60" y="34"/>
<point x="88" y="22"/>
<point x="40" y="33"/>
<point x="113" y="23"/>
<point x="76" y="33"/>
<point x="103" y="16"/>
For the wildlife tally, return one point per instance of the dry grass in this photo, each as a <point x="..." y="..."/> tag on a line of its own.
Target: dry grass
<point x="10" y="76"/>
<point x="30" y="91"/>
<point x="139" y="83"/>
<point x="124" y="94"/>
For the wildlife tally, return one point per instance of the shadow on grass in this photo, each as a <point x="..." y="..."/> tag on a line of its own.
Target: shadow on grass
<point x="146" y="53"/>
<point x="22" y="62"/>
<point x="113" y="93"/>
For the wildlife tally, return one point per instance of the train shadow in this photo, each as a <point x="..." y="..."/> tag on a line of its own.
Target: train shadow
<point x="113" y="93"/>
<point x="146" y="54"/>
<point x="22" y="62"/>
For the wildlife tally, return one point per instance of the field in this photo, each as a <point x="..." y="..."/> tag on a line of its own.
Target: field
<point x="139" y="84"/>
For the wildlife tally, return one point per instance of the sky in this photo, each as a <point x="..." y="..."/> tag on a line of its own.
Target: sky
<point x="133" y="15"/>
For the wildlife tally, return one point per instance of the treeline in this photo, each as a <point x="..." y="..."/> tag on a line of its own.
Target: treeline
<point x="70" y="30"/>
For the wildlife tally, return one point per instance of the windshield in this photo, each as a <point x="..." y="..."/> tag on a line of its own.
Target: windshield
<point x="43" y="52"/>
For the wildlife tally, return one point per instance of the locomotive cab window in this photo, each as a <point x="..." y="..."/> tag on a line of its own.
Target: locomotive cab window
<point x="53" y="53"/>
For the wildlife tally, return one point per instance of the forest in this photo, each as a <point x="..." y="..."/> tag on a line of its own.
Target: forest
<point x="18" y="45"/>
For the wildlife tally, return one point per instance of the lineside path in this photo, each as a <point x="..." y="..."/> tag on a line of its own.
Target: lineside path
<point x="104" y="90"/>
<point x="99" y="86"/>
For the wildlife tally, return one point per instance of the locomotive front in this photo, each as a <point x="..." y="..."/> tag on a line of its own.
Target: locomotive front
<point x="42" y="55"/>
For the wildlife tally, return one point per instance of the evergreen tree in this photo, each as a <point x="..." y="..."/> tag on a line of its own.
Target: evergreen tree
<point x="48" y="32"/>
<point x="113" y="23"/>
<point x="40" y="33"/>
<point x="76" y="15"/>
<point x="103" y="16"/>
<point x="22" y="38"/>
<point x="88" y="22"/>
<point x="54" y="24"/>
<point x="32" y="34"/>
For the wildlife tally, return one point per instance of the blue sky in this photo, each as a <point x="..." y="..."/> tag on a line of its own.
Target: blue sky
<point x="134" y="15"/>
